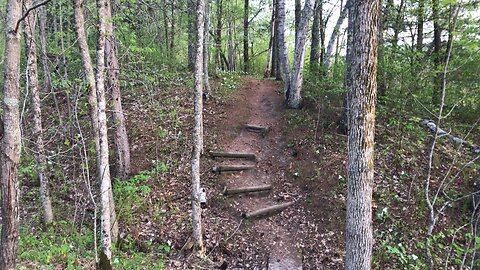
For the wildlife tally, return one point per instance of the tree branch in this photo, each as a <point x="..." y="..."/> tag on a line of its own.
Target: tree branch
<point x="28" y="12"/>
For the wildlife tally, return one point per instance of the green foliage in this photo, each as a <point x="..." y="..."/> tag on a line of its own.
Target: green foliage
<point x="131" y="195"/>
<point x="59" y="244"/>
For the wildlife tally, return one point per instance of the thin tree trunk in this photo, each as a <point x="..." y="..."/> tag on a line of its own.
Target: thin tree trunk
<point x="315" y="43"/>
<point x="298" y="12"/>
<point x="165" y="22"/>
<point x="191" y="33"/>
<point x="275" y="55"/>
<point x="218" y="36"/>
<point x="172" y="30"/>
<point x="42" y="18"/>
<point x="206" y="81"/>
<point x="230" y="47"/>
<point x="197" y="132"/>
<point x="293" y="96"/>
<point x="267" y="69"/>
<point x="32" y="84"/>
<point x="113" y="69"/>
<point x="103" y="164"/>
<point x="245" y="37"/>
<point x="359" y="232"/>
<point x="347" y="82"/>
<point x="282" y="49"/>
<point x="437" y="59"/>
<point x="420" y="21"/>
<point x="343" y="14"/>
<point x="11" y="142"/>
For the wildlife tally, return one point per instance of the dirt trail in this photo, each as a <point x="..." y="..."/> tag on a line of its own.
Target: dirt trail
<point x="260" y="102"/>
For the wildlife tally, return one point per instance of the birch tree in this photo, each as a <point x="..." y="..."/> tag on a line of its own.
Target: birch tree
<point x="197" y="131"/>
<point x="293" y="84"/>
<point x="361" y="119"/>
<point x="103" y="170"/>
<point x="334" y="36"/>
<point x="11" y="142"/>
<point x="32" y="84"/>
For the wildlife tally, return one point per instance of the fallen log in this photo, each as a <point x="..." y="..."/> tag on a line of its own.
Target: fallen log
<point x="231" y="191"/>
<point x="267" y="211"/>
<point x="254" y="128"/>
<point x="231" y="168"/>
<point x="433" y="128"/>
<point x="233" y="155"/>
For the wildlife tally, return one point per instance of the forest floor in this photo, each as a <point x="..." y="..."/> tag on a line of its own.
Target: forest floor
<point x="302" y="156"/>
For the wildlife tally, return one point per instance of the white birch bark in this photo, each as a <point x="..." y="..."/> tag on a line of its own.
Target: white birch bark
<point x="206" y="81"/>
<point x="293" y="95"/>
<point x="32" y="84"/>
<point x="103" y="169"/>
<point x="361" y="117"/>
<point x="11" y="142"/>
<point x="197" y="132"/>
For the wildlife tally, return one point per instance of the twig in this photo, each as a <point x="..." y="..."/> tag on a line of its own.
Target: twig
<point x="28" y="12"/>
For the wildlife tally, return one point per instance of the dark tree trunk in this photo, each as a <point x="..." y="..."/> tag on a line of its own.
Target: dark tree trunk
<point x="347" y="83"/>
<point x="298" y="12"/>
<point x="437" y="58"/>
<point x="361" y="118"/>
<point x="218" y="37"/>
<point x="315" y="43"/>
<point x="245" y="37"/>
<point x="191" y="33"/>
<point x="420" y="20"/>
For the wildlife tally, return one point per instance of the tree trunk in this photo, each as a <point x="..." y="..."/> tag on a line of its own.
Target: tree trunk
<point x="113" y="69"/>
<point x="293" y="96"/>
<point x="103" y="170"/>
<point x="218" y="36"/>
<point x="298" y="12"/>
<point x="230" y="47"/>
<point x="165" y="22"/>
<point x="420" y="20"/>
<point x="42" y="18"/>
<point x="32" y="84"/>
<point x="268" y="68"/>
<point x="245" y="37"/>
<point x="11" y="142"/>
<point x="172" y="30"/>
<point x="282" y="49"/>
<point x="361" y="117"/>
<point x="275" y="55"/>
<point x="333" y="37"/>
<point x="197" y="132"/>
<point x="347" y="82"/>
<point x="437" y="59"/>
<point x="206" y="81"/>
<point x="191" y="33"/>
<point x="315" y="43"/>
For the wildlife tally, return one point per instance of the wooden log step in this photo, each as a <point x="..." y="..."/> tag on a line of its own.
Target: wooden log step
<point x="267" y="211"/>
<point x="231" y="168"/>
<point x="240" y="190"/>
<point x="233" y="155"/>
<point x="254" y="128"/>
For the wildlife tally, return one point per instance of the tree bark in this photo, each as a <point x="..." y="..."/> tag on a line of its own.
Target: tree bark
<point x="315" y="43"/>
<point x="282" y="49"/>
<point x="206" y="81"/>
<point x="347" y="82"/>
<point x="218" y="36"/>
<point x="361" y="117"/>
<point x="165" y="22"/>
<point x="42" y="19"/>
<point x="293" y="96"/>
<point x="113" y="69"/>
<point x="191" y="33"/>
<point x="172" y="30"/>
<point x="103" y="170"/>
<point x="333" y="37"/>
<point x="298" y="13"/>
<point x="11" y="142"/>
<point x="32" y="84"/>
<point x="268" y="67"/>
<point x="245" y="37"/>
<point x="437" y="59"/>
<point x="420" y="21"/>
<point x="197" y="132"/>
